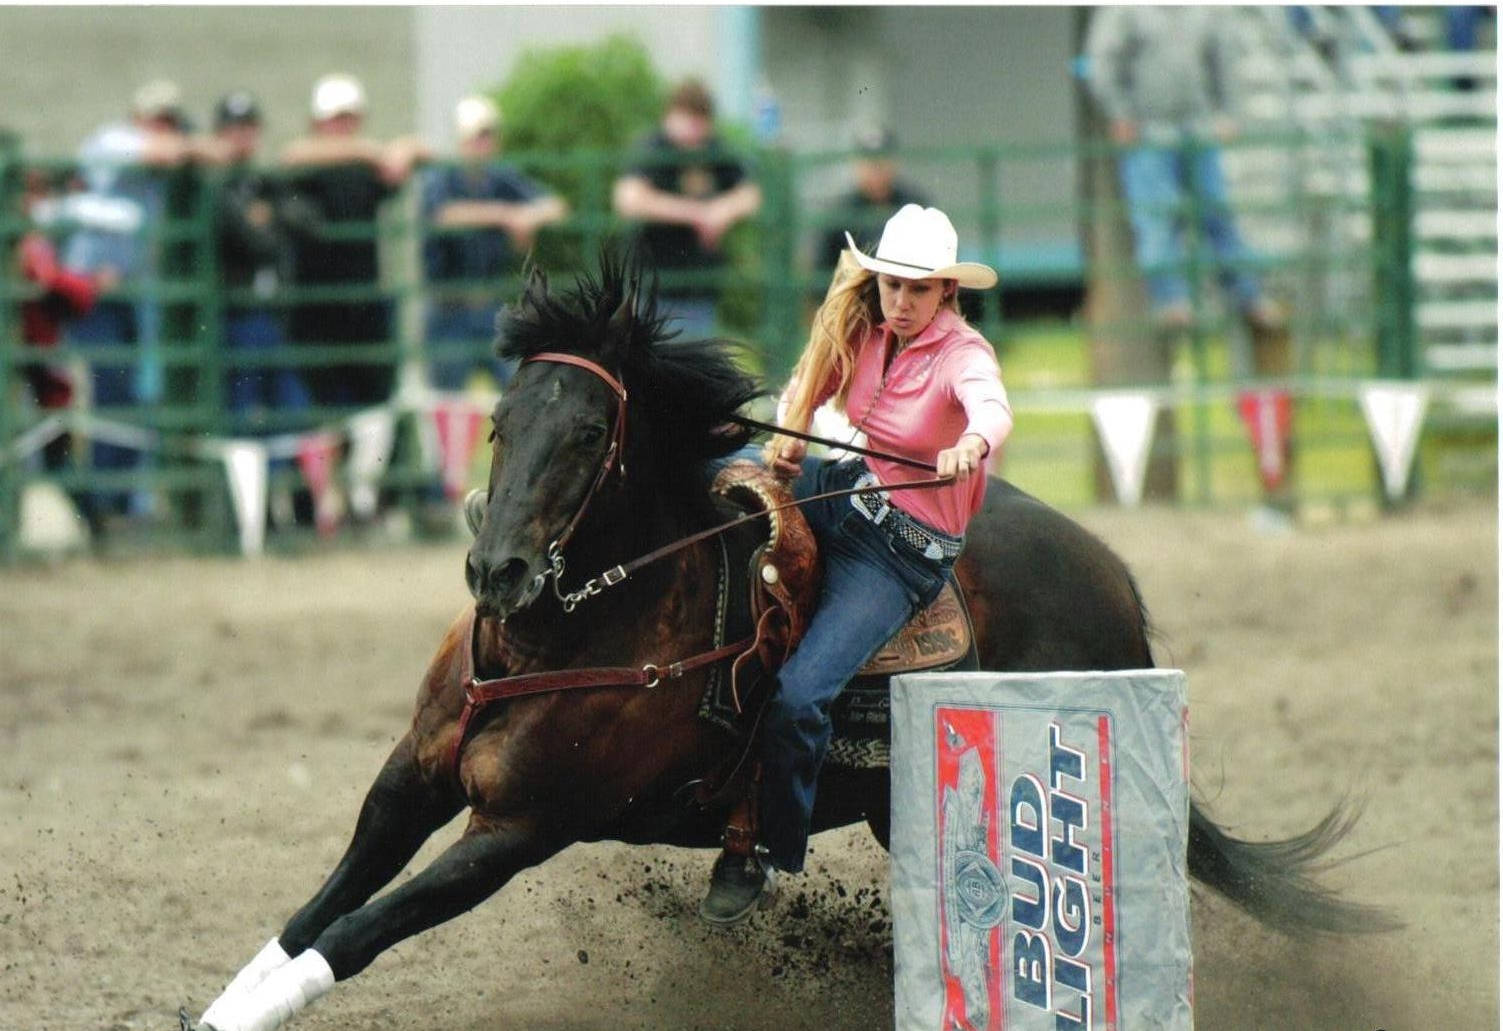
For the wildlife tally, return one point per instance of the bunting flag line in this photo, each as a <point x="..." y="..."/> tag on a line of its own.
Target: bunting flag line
<point x="1269" y="416"/>
<point x="458" y="425"/>
<point x="245" y="469"/>
<point x="1124" y="422"/>
<point x="315" y="458"/>
<point x="371" y="435"/>
<point x="1395" y="413"/>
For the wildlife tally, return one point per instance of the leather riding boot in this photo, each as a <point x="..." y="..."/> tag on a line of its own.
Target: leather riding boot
<point x="742" y="880"/>
<point x="739" y="886"/>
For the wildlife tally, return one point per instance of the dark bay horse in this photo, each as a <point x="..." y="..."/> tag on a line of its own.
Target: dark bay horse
<point x="541" y="772"/>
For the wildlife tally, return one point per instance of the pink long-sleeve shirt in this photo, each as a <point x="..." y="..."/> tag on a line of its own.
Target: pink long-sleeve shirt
<point x="945" y="383"/>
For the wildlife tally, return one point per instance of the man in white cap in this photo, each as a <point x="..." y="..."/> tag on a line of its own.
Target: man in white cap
<point x="479" y="213"/>
<point x="119" y="219"/>
<point x="345" y="176"/>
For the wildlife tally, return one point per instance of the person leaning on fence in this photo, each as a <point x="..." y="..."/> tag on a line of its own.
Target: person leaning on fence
<point x="1164" y="79"/>
<point x="889" y="345"/>
<point x="61" y="295"/>
<point x="119" y="220"/>
<point x="481" y="213"/>
<point x="344" y="177"/>
<point x="877" y="190"/>
<point x="253" y="226"/>
<point x="688" y="191"/>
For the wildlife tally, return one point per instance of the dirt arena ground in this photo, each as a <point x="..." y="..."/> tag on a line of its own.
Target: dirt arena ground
<point x="185" y="743"/>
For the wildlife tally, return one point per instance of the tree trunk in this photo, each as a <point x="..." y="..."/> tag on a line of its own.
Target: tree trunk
<point x="1125" y="348"/>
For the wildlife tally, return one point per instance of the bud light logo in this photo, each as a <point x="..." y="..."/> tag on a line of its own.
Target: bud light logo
<point x="1027" y="909"/>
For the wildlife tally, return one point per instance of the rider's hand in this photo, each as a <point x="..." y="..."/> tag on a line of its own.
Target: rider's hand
<point x="963" y="460"/>
<point x="785" y="456"/>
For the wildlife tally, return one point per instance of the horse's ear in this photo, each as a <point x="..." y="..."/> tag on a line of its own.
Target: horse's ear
<point x="536" y="286"/>
<point x="626" y="311"/>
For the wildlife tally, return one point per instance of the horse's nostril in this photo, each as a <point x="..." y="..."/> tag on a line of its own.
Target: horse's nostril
<point x="506" y="577"/>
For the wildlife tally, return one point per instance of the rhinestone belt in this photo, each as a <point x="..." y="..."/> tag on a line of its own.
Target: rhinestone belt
<point x="878" y="507"/>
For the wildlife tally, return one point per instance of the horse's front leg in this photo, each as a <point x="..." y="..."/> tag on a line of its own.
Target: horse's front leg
<point x="489" y="854"/>
<point x="401" y="810"/>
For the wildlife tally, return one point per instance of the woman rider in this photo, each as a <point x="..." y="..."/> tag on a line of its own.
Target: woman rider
<point x="890" y="346"/>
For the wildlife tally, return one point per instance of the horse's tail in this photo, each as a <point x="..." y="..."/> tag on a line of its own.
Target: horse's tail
<point x="1274" y="880"/>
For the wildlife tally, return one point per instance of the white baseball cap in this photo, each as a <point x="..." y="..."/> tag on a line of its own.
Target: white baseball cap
<point x="474" y="115"/>
<point x="920" y="243"/>
<point x="337" y="94"/>
<point x="159" y="98"/>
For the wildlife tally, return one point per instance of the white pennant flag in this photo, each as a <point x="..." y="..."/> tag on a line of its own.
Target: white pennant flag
<point x="371" y="436"/>
<point x="1124" y="422"/>
<point x="1395" y="413"/>
<point x="245" y="468"/>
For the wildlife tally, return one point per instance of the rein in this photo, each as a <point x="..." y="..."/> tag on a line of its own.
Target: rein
<point x="616" y="574"/>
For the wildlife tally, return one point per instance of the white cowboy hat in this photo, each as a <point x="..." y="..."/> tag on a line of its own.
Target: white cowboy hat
<point x="920" y="243"/>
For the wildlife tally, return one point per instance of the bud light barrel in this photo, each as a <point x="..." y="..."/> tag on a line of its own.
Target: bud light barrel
<point x="1039" y="826"/>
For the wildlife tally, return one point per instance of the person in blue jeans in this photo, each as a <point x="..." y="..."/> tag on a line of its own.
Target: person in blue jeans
<point x="890" y="347"/>
<point x="1164" y="79"/>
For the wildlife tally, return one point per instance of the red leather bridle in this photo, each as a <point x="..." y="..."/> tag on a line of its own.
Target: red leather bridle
<point x="615" y="457"/>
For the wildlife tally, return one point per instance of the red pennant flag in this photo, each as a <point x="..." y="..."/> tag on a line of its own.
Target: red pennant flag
<point x="458" y="432"/>
<point x="1268" y="415"/>
<point x="315" y="457"/>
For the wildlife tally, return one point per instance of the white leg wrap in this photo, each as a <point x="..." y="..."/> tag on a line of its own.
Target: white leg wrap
<point x="283" y="992"/>
<point x="253" y="973"/>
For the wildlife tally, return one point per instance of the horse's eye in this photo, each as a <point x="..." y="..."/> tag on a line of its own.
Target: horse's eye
<point x="591" y="433"/>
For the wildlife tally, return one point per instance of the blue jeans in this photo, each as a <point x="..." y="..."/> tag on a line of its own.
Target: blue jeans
<point x="1156" y="182"/>
<point x="452" y="326"/>
<point x="872" y="587"/>
<point x="693" y="317"/>
<point x="110" y="324"/>
<point x="259" y="387"/>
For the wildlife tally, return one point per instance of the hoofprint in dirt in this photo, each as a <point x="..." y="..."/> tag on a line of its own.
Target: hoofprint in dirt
<point x="187" y="743"/>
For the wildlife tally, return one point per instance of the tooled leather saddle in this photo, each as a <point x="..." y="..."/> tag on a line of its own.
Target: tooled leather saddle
<point x="776" y="595"/>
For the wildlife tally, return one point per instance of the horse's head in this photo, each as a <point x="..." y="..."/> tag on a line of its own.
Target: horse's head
<point x="558" y="437"/>
<point x="605" y="406"/>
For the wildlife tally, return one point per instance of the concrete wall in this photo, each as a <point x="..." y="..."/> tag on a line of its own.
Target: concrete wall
<point x="461" y="49"/>
<point x="66" y="70"/>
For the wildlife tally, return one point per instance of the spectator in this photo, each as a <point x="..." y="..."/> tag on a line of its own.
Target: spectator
<point x="688" y="191"/>
<point x="125" y="167"/>
<point x="875" y="196"/>
<point x="490" y="211"/>
<point x="343" y="177"/>
<point x="1163" y="77"/>
<point x="62" y="295"/>
<point x="253" y="224"/>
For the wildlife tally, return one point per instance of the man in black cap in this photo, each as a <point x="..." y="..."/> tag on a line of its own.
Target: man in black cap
<point x="253" y="226"/>
<point x="877" y="193"/>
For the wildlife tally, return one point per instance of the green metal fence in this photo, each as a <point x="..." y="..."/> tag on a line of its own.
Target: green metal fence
<point x="1006" y="204"/>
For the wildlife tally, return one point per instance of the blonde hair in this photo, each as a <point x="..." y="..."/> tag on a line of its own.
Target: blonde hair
<point x="851" y="309"/>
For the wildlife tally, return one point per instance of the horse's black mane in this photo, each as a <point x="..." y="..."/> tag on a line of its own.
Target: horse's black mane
<point x="686" y="389"/>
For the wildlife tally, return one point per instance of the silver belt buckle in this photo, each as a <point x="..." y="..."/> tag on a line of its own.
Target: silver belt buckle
<point x="860" y="500"/>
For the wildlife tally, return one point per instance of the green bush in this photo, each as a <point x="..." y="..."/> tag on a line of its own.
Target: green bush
<point x="560" y="100"/>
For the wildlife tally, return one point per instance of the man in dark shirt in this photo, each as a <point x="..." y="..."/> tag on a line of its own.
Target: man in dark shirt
<point x="253" y="222"/>
<point x="345" y="177"/>
<point x="479" y="214"/>
<point x="876" y="195"/>
<point x="687" y="191"/>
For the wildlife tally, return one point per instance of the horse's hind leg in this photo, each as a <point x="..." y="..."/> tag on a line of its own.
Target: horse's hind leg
<point x="401" y="810"/>
<point x="467" y="873"/>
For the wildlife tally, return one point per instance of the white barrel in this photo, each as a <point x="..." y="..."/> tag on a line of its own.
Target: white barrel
<point x="1039" y="827"/>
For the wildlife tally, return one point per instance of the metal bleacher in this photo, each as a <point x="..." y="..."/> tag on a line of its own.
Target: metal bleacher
<point x="1447" y="100"/>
